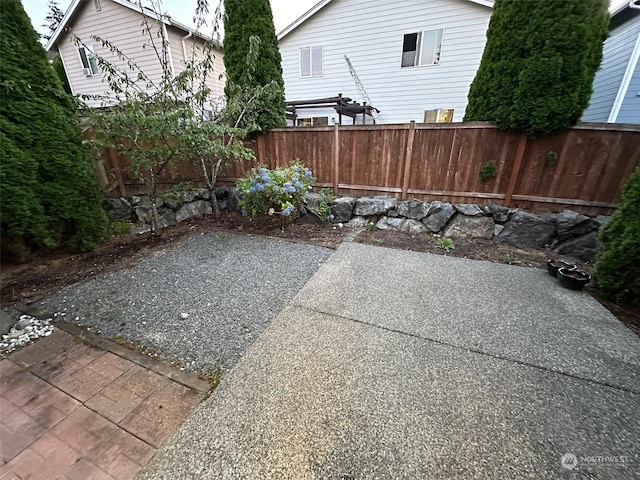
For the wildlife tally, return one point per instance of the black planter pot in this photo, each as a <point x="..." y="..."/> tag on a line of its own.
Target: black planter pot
<point x="554" y="265"/>
<point x="574" y="279"/>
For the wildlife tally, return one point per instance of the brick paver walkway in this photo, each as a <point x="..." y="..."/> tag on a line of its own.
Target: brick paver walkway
<point x="73" y="411"/>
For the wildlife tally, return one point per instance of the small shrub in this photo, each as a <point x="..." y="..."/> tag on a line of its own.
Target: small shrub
<point x="551" y="158"/>
<point x="182" y="187"/>
<point x="488" y="170"/>
<point x="325" y="205"/>
<point x="445" y="244"/>
<point x="276" y="192"/>
<point x="617" y="268"/>
<point x="371" y="226"/>
<point x="120" y="228"/>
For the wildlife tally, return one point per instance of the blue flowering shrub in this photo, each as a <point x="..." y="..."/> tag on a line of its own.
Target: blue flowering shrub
<point x="276" y="192"/>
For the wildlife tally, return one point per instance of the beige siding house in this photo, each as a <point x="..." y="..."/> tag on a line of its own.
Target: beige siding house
<point x="415" y="59"/>
<point x="121" y="22"/>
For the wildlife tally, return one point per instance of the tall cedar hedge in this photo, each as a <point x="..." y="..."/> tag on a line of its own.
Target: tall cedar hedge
<point x="244" y="19"/>
<point x="49" y="193"/>
<point x="538" y="64"/>
<point x="617" y="268"/>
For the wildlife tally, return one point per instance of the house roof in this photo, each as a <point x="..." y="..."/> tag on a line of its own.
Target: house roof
<point x="167" y="20"/>
<point x="323" y="3"/>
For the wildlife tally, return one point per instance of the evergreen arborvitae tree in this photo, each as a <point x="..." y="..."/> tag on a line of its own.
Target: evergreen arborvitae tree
<point x="245" y="19"/>
<point x="49" y="192"/>
<point x="538" y="64"/>
<point x="617" y="268"/>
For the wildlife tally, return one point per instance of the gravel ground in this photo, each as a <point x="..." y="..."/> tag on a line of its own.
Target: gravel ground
<point x="199" y="303"/>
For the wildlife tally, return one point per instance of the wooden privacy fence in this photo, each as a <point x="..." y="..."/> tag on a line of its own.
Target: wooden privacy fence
<point x="441" y="162"/>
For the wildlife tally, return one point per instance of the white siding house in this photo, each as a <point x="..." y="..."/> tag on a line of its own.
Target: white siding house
<point x="616" y="87"/>
<point x="121" y="22"/>
<point x="415" y="59"/>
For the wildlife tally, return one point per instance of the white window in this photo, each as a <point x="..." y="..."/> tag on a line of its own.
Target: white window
<point x="443" y="115"/>
<point x="312" y="122"/>
<point x="311" y="62"/>
<point x="422" y="48"/>
<point x="89" y="61"/>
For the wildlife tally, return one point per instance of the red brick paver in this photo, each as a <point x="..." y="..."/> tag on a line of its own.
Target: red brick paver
<point x="73" y="411"/>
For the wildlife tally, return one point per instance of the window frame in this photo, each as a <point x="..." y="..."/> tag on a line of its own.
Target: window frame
<point x="439" y="112"/>
<point x="90" y="66"/>
<point x="419" y="48"/>
<point x="313" y="120"/>
<point x="311" y="48"/>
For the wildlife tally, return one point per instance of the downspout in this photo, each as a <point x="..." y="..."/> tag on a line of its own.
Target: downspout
<point x="166" y="37"/>
<point x="184" y="45"/>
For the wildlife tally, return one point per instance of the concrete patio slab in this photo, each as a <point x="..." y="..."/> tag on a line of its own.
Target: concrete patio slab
<point x="510" y="312"/>
<point x="324" y="397"/>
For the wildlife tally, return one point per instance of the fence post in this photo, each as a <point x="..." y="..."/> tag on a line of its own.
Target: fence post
<point x="522" y="144"/>
<point x="336" y="158"/>
<point x="113" y="157"/>
<point x="407" y="159"/>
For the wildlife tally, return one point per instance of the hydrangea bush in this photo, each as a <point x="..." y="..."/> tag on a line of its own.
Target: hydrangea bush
<point x="276" y="192"/>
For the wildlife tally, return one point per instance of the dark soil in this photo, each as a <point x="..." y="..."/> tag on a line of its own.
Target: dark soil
<point x="47" y="272"/>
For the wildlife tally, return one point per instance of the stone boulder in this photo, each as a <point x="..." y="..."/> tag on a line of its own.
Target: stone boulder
<point x="439" y="215"/>
<point x="171" y="200"/>
<point x="234" y="197"/>
<point x="142" y="214"/>
<point x="342" y="209"/>
<point x="142" y="201"/>
<point x="187" y="196"/>
<point x="414" y="209"/>
<point x="463" y="226"/>
<point x="193" y="209"/>
<point x="585" y="247"/>
<point x="499" y="213"/>
<point x="469" y="209"/>
<point x="526" y="229"/>
<point x="379" y="205"/>
<point x="166" y="217"/>
<point x="358" y="222"/>
<point x="203" y="194"/>
<point x="314" y="200"/>
<point x="407" y="225"/>
<point x="119" y="209"/>
<point x="571" y="224"/>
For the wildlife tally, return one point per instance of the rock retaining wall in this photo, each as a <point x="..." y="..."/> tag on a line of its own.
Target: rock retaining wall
<point x="568" y="232"/>
<point x="172" y="207"/>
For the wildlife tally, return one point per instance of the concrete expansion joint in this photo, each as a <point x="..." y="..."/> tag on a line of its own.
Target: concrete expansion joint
<point x="470" y="350"/>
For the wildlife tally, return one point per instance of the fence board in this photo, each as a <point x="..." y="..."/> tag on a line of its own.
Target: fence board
<point x="436" y="161"/>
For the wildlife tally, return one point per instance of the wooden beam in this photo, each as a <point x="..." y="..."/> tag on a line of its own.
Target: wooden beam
<point x="567" y="201"/>
<point x="407" y="159"/>
<point x="447" y="193"/>
<point x="522" y="144"/>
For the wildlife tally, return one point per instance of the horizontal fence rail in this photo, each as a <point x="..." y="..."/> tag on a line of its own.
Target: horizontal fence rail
<point x="582" y="168"/>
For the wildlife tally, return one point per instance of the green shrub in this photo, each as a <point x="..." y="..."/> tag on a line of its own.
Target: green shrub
<point x="488" y="170"/>
<point x="617" y="267"/>
<point x="49" y="193"/>
<point x="551" y="158"/>
<point x="325" y="205"/>
<point x="275" y="192"/>
<point x="120" y="228"/>
<point x="445" y="244"/>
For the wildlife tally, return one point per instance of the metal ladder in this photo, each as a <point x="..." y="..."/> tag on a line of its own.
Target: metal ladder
<point x="363" y="92"/>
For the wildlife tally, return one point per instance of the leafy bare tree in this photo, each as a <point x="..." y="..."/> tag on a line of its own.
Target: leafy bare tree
<point x="156" y="122"/>
<point x="53" y="18"/>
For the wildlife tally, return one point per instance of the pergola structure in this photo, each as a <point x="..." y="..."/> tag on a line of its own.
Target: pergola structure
<point x="343" y="106"/>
